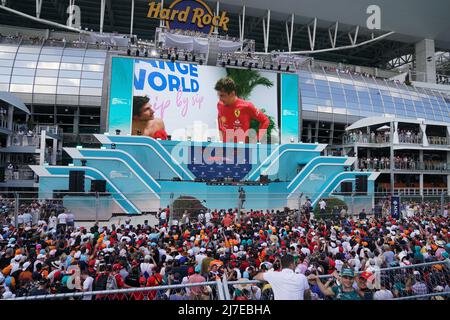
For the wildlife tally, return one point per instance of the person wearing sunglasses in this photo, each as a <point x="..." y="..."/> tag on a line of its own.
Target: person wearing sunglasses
<point x="343" y="289"/>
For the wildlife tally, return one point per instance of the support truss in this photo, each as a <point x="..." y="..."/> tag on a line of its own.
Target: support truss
<point x="290" y="32"/>
<point x="333" y="36"/>
<point x="312" y="34"/>
<point x="266" y="31"/>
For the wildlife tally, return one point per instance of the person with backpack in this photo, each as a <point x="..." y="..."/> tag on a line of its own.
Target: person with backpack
<point x="100" y="281"/>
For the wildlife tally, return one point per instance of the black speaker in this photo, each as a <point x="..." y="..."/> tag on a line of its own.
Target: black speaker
<point x="346" y="187"/>
<point x="361" y="184"/>
<point x="98" y="186"/>
<point x="76" y="181"/>
<point x="264" y="178"/>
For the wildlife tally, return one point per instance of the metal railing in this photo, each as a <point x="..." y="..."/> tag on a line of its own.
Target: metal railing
<point x="409" y="282"/>
<point x="438" y="140"/>
<point x="422" y="166"/>
<point x="412" y="139"/>
<point x="213" y="290"/>
<point x="366" y="138"/>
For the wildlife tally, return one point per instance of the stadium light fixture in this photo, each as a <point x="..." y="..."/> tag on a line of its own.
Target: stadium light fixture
<point x="153" y="53"/>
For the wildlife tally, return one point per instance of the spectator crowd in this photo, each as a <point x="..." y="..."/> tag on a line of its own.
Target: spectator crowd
<point x="293" y="253"/>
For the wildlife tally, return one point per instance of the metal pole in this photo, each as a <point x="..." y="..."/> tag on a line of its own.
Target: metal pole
<point x="102" y="15"/>
<point x="353" y="204"/>
<point x="442" y="202"/>
<point x="132" y="18"/>
<point x="16" y="209"/>
<point x="171" y="213"/>
<point x="238" y="215"/>
<point x="161" y="22"/>
<point x="96" y="206"/>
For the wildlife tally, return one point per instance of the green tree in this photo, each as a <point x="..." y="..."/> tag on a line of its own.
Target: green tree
<point x="246" y="81"/>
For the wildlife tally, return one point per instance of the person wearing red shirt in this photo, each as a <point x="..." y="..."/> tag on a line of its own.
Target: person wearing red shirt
<point x="235" y="114"/>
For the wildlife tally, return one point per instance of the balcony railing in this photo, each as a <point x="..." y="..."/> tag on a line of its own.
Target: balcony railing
<point x="438" y="140"/>
<point x="384" y="164"/>
<point x="413" y="139"/>
<point x="422" y="166"/>
<point x="25" y="140"/>
<point x="20" y="174"/>
<point x="366" y="138"/>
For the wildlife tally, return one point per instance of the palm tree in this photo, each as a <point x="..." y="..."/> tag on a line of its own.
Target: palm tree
<point x="246" y="81"/>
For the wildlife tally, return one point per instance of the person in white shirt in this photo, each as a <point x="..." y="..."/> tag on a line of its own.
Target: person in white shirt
<point x="62" y="218"/>
<point x="208" y="216"/>
<point x="20" y="219"/>
<point x="27" y="219"/>
<point x="147" y="267"/>
<point x="87" y="284"/>
<point x="287" y="285"/>
<point x="383" y="293"/>
<point x="70" y="219"/>
<point x="52" y="222"/>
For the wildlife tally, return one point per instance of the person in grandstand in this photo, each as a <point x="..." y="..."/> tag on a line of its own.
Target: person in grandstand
<point x="235" y="114"/>
<point x="144" y="122"/>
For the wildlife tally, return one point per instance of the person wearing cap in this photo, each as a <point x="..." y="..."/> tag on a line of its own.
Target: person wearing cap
<point x="286" y="285"/>
<point x="342" y="291"/>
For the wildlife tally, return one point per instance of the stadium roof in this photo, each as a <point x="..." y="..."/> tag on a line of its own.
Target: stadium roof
<point x="411" y="20"/>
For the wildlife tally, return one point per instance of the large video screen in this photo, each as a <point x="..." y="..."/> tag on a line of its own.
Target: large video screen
<point x="147" y="95"/>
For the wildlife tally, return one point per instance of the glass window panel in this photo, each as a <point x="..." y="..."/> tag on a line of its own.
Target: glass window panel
<point x="70" y="59"/>
<point x="352" y="99"/>
<point x="94" y="60"/>
<point x="353" y="112"/>
<point x="68" y="90"/>
<point x="309" y="107"/>
<point x="27" y="56"/>
<point x="44" y="89"/>
<point x="309" y="87"/>
<point x="322" y="83"/>
<point x="92" y="83"/>
<point x="93" y="67"/>
<point x="339" y="110"/>
<point x="333" y="79"/>
<point x="25" y="64"/>
<point x="98" y="75"/>
<point x="48" y="65"/>
<point x="6" y="63"/>
<point x="69" y="74"/>
<point x="48" y="58"/>
<point x="22" y="80"/>
<point x="322" y="89"/>
<point x="324" y="109"/>
<point x="96" y="53"/>
<point x="8" y="48"/>
<point x="74" y="52"/>
<point x="23" y="72"/>
<point x="52" y="51"/>
<point x="26" y="88"/>
<point x="69" y="82"/>
<point x="90" y="91"/>
<point x="70" y="66"/>
<point x="23" y="49"/>
<point x="45" y="81"/>
<point x="7" y="55"/>
<point x="4" y="78"/>
<point x="47" y="73"/>
<point x="339" y="104"/>
<point x="5" y="70"/>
